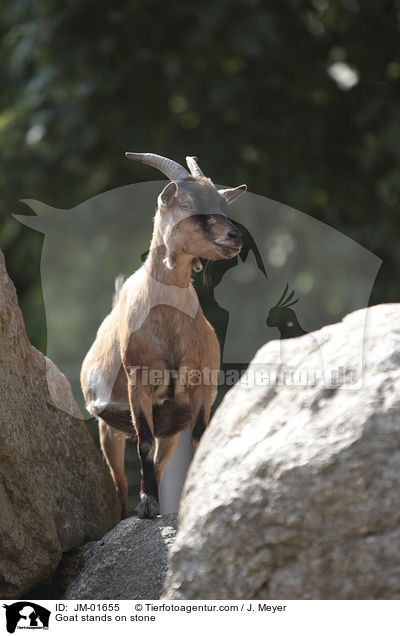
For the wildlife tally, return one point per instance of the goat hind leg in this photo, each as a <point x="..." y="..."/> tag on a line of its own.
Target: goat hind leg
<point x="112" y="443"/>
<point x="165" y="448"/>
<point x="201" y="399"/>
<point x="201" y="402"/>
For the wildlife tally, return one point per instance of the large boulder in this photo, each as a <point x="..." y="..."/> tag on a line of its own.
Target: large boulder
<point x="55" y="489"/>
<point x="294" y="492"/>
<point x="129" y="562"/>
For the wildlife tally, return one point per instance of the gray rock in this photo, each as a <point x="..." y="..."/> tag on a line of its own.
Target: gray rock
<point x="294" y="492"/>
<point x="129" y="562"/>
<point x="55" y="489"/>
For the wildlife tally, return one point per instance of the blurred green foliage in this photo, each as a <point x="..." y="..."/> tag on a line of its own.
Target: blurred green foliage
<point x="248" y="86"/>
<point x="299" y="99"/>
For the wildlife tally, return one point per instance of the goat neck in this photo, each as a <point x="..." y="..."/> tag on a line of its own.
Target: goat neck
<point x="155" y="265"/>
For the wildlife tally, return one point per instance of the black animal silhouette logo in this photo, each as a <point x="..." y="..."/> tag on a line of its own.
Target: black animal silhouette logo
<point x="26" y="615"/>
<point x="284" y="318"/>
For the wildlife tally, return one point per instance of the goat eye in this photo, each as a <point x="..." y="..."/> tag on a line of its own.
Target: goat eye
<point x="211" y="219"/>
<point x="185" y="205"/>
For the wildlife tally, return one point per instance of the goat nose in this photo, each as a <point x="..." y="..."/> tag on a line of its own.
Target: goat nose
<point x="235" y="234"/>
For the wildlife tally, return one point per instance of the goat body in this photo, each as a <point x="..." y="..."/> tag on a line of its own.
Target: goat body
<point x="151" y="370"/>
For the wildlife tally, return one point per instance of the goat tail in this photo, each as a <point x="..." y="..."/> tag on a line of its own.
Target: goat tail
<point x="119" y="281"/>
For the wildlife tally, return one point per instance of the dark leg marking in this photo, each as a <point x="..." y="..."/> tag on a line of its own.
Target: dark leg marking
<point x="199" y="427"/>
<point x="148" y="505"/>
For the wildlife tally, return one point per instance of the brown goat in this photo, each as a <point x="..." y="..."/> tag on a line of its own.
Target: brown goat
<point x="151" y="369"/>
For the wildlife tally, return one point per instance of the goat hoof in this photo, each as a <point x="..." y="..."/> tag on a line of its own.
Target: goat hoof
<point x="148" y="507"/>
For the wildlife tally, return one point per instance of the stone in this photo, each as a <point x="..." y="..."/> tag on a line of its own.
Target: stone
<point x="55" y="489"/>
<point x="294" y="492"/>
<point x="129" y="562"/>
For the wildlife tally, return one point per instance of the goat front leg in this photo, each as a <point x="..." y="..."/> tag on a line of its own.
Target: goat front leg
<point x="142" y="416"/>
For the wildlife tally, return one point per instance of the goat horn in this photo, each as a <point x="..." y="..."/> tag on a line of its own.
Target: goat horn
<point x="193" y="167"/>
<point x="170" y="168"/>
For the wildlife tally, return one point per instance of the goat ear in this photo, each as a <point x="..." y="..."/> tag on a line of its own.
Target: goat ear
<point x="167" y="194"/>
<point x="231" y="194"/>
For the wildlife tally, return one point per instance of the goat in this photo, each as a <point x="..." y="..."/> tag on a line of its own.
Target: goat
<point x="157" y="331"/>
